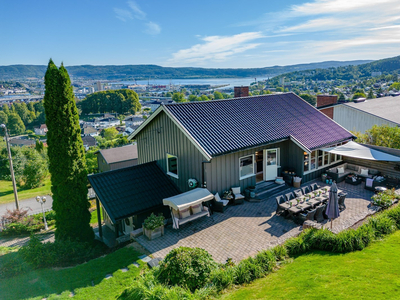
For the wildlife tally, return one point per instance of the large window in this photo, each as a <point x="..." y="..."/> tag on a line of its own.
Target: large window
<point x="246" y="166"/>
<point x="319" y="159"/>
<point x="172" y="165"/>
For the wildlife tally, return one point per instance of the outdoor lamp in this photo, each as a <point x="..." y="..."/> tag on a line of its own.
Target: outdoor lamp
<point x="42" y="200"/>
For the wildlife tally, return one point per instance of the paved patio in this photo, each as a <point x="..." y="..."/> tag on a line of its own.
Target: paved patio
<point x="244" y="230"/>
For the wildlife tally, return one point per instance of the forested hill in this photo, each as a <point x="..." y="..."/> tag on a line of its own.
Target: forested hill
<point x="385" y="66"/>
<point x="153" y="71"/>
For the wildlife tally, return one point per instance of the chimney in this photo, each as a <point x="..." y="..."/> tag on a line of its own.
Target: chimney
<point x="241" y="91"/>
<point x="325" y="100"/>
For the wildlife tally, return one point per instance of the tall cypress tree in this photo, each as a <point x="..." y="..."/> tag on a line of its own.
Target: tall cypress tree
<point x="67" y="164"/>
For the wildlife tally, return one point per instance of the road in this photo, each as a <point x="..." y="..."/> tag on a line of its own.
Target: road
<point x="31" y="204"/>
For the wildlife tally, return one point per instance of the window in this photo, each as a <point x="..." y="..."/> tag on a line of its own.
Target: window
<point x="313" y="165"/>
<point x="172" y="165"/>
<point x="246" y="166"/>
<point x="306" y="162"/>
<point x="319" y="159"/>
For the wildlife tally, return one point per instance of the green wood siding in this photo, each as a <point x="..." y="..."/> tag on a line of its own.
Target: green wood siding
<point x="162" y="136"/>
<point x="223" y="171"/>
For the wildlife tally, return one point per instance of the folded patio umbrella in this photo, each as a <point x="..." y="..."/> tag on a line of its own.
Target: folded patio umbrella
<point x="332" y="209"/>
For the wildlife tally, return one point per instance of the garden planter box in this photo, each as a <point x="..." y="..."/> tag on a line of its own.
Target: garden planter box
<point x="155" y="233"/>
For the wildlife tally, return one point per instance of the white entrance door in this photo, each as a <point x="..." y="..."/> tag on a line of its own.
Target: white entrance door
<point x="271" y="166"/>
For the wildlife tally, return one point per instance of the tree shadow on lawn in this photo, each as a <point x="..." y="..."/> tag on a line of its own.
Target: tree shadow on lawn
<point x="42" y="282"/>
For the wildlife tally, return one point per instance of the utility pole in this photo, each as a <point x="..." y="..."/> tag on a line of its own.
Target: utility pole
<point x="11" y="166"/>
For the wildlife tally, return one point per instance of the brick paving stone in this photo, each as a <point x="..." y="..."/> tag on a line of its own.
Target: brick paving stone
<point x="243" y="230"/>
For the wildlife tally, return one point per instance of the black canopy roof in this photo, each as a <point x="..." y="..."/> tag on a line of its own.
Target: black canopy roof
<point x="130" y="191"/>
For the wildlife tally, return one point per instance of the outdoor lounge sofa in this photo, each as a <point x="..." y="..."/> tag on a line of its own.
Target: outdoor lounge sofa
<point x="347" y="169"/>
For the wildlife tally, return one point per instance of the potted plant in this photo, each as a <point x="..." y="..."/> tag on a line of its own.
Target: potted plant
<point x="153" y="226"/>
<point x="315" y="194"/>
<point x="298" y="201"/>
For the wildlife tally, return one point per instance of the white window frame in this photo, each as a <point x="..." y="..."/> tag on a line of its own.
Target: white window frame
<point x="248" y="175"/>
<point x="177" y="166"/>
<point x="338" y="158"/>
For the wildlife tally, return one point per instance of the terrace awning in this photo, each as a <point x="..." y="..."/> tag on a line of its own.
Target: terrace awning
<point x="188" y="199"/>
<point x="352" y="149"/>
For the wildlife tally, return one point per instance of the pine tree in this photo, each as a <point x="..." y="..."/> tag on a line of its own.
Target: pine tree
<point x="67" y="164"/>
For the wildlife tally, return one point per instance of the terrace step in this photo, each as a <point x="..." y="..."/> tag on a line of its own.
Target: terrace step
<point x="267" y="189"/>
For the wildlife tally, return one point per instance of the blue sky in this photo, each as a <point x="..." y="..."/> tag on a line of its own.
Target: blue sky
<point x="197" y="33"/>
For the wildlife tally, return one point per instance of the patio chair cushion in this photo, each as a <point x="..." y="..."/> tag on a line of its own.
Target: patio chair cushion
<point x="289" y="196"/>
<point x="236" y="190"/>
<point x="196" y="209"/>
<point x="236" y="193"/>
<point x="314" y="186"/>
<point x="184" y="213"/>
<point x="217" y="197"/>
<point x="298" y="193"/>
<point x="364" y="172"/>
<point x="340" y="170"/>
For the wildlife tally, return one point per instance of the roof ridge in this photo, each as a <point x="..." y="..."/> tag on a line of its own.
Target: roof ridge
<point x="228" y="99"/>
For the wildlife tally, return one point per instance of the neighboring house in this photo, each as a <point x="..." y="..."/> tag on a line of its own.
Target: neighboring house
<point x="93" y="122"/>
<point x="89" y="130"/>
<point x="109" y="122"/>
<point x="21" y="142"/>
<point x="156" y="103"/>
<point x="89" y="141"/>
<point x="240" y="141"/>
<point x="131" y="129"/>
<point x="42" y="130"/>
<point x="127" y="197"/>
<point x="117" y="158"/>
<point x="133" y="120"/>
<point x="362" y="115"/>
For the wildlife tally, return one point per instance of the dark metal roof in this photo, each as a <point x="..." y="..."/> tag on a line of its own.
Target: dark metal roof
<point x="129" y="191"/>
<point x="224" y="126"/>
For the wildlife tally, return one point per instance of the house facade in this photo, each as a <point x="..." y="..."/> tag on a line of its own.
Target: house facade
<point x="42" y="130"/>
<point x="240" y="141"/>
<point x="361" y="115"/>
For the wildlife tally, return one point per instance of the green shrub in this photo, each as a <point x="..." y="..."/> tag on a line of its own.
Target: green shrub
<point x="266" y="260"/>
<point x="366" y="233"/>
<point x="280" y="252"/>
<point x="61" y="253"/>
<point x="382" y="225"/>
<point x="223" y="278"/>
<point x="385" y="199"/>
<point x="11" y="264"/>
<point x="27" y="226"/>
<point x="297" y="245"/>
<point x="186" y="267"/>
<point x="146" y="287"/>
<point x="248" y="270"/>
<point x="394" y="214"/>
<point x="152" y="222"/>
<point x="323" y="239"/>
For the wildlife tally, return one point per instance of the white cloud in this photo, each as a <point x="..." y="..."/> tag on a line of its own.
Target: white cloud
<point x="152" y="28"/>
<point x="123" y="14"/>
<point x="137" y="12"/>
<point x="319" y="7"/>
<point x="216" y="48"/>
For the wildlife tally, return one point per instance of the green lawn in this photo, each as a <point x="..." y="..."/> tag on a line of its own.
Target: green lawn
<point x="7" y="194"/>
<point x="93" y="219"/>
<point x="58" y="284"/>
<point x="373" y="273"/>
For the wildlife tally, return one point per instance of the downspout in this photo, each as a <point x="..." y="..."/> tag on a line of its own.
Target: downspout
<point x="203" y="182"/>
